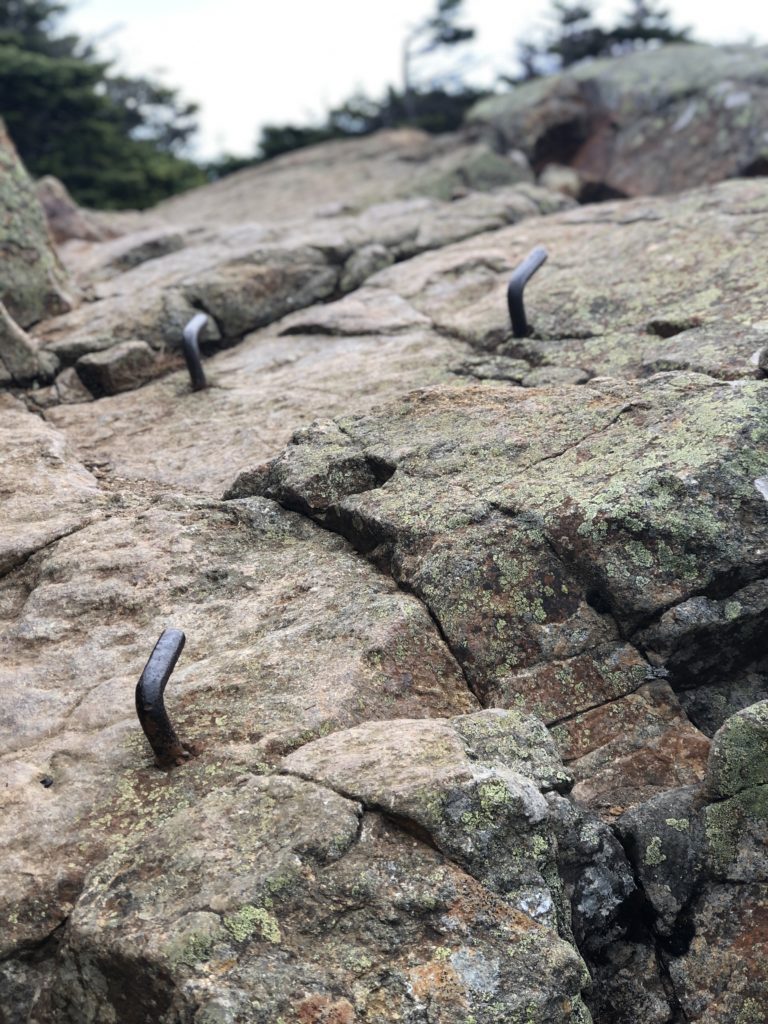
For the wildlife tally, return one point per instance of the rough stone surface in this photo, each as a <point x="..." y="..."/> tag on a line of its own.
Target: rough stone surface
<point x="289" y="637"/>
<point x="700" y="856"/>
<point x="121" y="367"/>
<point x="630" y="289"/>
<point x="19" y="362"/>
<point x="542" y="550"/>
<point x="627" y="751"/>
<point x="250" y="275"/>
<point x="33" y="280"/>
<point x="65" y="218"/>
<point x="649" y="122"/>
<point x="373" y="825"/>
<point x="337" y="177"/>
<point x="259" y="393"/>
<point x="739" y="756"/>
<point x="473" y="804"/>
<point x="288" y="908"/>
<point x="722" y="976"/>
<point x="46" y="493"/>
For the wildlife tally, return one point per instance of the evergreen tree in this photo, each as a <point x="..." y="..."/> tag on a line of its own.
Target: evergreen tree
<point x="432" y="34"/>
<point x="576" y="36"/>
<point x="645" y="22"/>
<point x="114" y="141"/>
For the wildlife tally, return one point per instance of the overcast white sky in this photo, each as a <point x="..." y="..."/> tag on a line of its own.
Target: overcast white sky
<point x="248" y="62"/>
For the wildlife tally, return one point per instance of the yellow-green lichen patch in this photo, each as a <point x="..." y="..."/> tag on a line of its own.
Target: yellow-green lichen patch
<point x="727" y="822"/>
<point x="250" y="920"/>
<point x="653" y="853"/>
<point x="739" y="755"/>
<point x="679" y="824"/>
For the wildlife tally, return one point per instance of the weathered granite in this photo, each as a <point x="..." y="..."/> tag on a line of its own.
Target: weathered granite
<point x="33" y="283"/>
<point x="652" y="121"/>
<point x="290" y="637"/>
<point x="554" y="505"/>
<point x="630" y="288"/>
<point x="147" y="285"/>
<point x="45" y="492"/>
<point x="290" y="906"/>
<point x="259" y="393"/>
<point x="346" y="175"/>
<point x="591" y="549"/>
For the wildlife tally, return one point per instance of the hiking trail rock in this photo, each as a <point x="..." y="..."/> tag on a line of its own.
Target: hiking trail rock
<point x="476" y="659"/>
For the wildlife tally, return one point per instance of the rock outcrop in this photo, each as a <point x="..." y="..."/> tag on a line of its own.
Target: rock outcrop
<point x="476" y="672"/>
<point x="33" y="282"/>
<point x="650" y="122"/>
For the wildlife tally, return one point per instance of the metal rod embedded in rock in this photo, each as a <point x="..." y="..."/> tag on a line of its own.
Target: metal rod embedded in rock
<point x="522" y="275"/>
<point x="191" y="346"/>
<point x="150" y="707"/>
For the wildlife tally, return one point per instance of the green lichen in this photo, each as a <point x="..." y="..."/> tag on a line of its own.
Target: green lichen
<point x="739" y="756"/>
<point x="249" y="920"/>
<point x="197" y="949"/>
<point x="493" y="798"/>
<point x="679" y="824"/>
<point x="751" y="1012"/>
<point x="726" y="822"/>
<point x="653" y="853"/>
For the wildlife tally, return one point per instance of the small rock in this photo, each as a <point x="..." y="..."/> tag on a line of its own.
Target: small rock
<point x="70" y="389"/>
<point x="122" y="367"/>
<point x="18" y="357"/>
<point x="363" y="264"/>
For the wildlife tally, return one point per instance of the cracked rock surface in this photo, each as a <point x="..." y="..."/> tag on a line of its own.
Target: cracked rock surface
<point x="475" y="674"/>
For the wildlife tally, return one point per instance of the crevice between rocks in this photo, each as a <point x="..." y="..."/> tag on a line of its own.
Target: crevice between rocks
<point x="585" y="711"/>
<point x="38" y="949"/>
<point x="640" y="917"/>
<point x="400" y="821"/>
<point x="22" y="562"/>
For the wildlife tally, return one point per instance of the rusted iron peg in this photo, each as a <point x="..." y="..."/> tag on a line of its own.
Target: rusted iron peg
<point x="521" y="276"/>
<point x="191" y="347"/>
<point x="150" y="706"/>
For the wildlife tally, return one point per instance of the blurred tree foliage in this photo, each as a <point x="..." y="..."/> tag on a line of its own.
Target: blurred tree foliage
<point x="114" y="141"/>
<point x="439" y="105"/>
<point x="436" y="106"/>
<point x="432" y="110"/>
<point x="575" y="36"/>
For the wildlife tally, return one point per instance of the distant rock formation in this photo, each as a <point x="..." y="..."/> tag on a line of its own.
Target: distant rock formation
<point x="651" y="122"/>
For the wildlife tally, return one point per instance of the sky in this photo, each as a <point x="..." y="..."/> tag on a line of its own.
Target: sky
<point x="251" y="62"/>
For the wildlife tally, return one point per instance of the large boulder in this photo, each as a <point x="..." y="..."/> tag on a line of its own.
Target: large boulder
<point x="650" y="122"/>
<point x="33" y="281"/>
